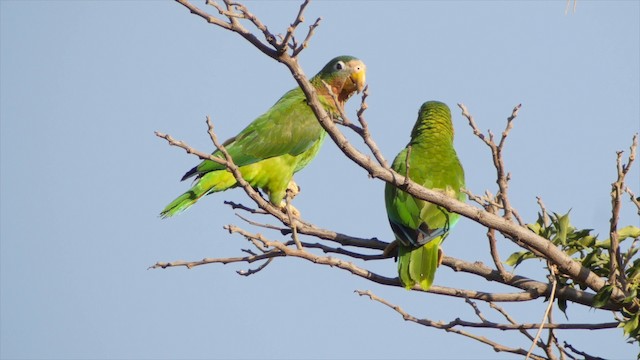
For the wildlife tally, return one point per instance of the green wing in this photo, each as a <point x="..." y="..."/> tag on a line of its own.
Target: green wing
<point x="288" y="127"/>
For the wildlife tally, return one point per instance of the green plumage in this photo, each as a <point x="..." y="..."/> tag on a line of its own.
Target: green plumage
<point x="420" y="227"/>
<point x="279" y="143"/>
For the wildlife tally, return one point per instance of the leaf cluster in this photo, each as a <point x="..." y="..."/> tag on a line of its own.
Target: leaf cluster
<point x="594" y="254"/>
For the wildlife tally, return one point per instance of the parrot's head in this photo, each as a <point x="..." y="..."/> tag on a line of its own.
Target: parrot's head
<point x="433" y="117"/>
<point x="344" y="74"/>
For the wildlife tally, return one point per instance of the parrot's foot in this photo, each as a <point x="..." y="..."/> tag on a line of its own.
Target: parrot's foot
<point x="293" y="189"/>
<point x="288" y="207"/>
<point x="440" y="256"/>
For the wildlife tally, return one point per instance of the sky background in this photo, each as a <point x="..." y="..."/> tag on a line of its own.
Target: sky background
<point x="84" y="84"/>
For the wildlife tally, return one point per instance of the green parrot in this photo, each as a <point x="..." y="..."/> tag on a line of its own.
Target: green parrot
<point x="419" y="226"/>
<point x="279" y="142"/>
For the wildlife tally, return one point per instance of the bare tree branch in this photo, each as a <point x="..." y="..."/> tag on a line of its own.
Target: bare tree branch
<point x="496" y="153"/>
<point x="516" y="233"/>
<point x="233" y="17"/>
<point x="450" y="326"/>
<point x="617" y="189"/>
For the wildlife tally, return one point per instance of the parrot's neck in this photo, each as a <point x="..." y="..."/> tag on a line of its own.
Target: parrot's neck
<point x="327" y="96"/>
<point x="433" y="133"/>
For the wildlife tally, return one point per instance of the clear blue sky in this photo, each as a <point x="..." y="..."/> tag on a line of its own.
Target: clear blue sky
<point x="83" y="85"/>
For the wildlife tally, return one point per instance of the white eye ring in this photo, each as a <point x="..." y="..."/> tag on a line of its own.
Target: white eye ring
<point x="339" y="65"/>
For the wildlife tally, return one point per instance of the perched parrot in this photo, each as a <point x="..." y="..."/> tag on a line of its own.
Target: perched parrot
<point x="278" y="143"/>
<point x="419" y="226"/>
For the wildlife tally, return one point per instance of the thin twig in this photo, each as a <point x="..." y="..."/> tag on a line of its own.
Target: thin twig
<point x="284" y="44"/>
<point x="255" y="223"/>
<point x="635" y="200"/>
<point x="582" y="353"/>
<point x="506" y="131"/>
<point x="552" y="270"/>
<point x="328" y="249"/>
<point x="269" y="37"/>
<point x="305" y="43"/>
<point x="362" y="131"/>
<point x="615" y="272"/>
<point x="366" y="135"/>
<point x="496" y="152"/>
<point x="489" y="203"/>
<point x="189" y="149"/>
<point x="493" y="248"/>
<point x="510" y="319"/>
<point x="227" y="13"/>
<point x="235" y="26"/>
<point x="476" y="309"/>
<point x="236" y="206"/>
<point x="205" y="261"/>
<point x="543" y="209"/>
<point x="485" y="200"/>
<point x="552" y="340"/>
<point x="256" y="270"/>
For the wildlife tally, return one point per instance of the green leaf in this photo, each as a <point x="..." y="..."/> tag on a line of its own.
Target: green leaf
<point x="623" y="234"/>
<point x="588" y="260"/>
<point x="587" y="241"/>
<point x="516" y="258"/>
<point x="562" y="305"/>
<point x="631" y="325"/>
<point x="563" y="227"/>
<point x="632" y="295"/>
<point x="602" y="297"/>
<point x="605" y="244"/>
<point x="535" y="228"/>
<point x="580" y="234"/>
<point x="628" y="232"/>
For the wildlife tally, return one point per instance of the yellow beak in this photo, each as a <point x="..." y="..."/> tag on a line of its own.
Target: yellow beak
<point x="359" y="77"/>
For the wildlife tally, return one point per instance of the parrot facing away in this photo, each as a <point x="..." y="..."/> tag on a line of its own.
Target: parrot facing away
<point x="280" y="142"/>
<point x="419" y="226"/>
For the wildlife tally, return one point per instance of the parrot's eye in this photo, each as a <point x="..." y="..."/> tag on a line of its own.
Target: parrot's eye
<point x="339" y="65"/>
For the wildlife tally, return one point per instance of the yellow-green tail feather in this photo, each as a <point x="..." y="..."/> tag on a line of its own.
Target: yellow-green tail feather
<point x="418" y="266"/>
<point x="210" y="182"/>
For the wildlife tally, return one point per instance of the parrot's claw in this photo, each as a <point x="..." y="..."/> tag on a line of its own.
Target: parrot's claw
<point x="440" y="256"/>
<point x="285" y="209"/>
<point x="293" y="189"/>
